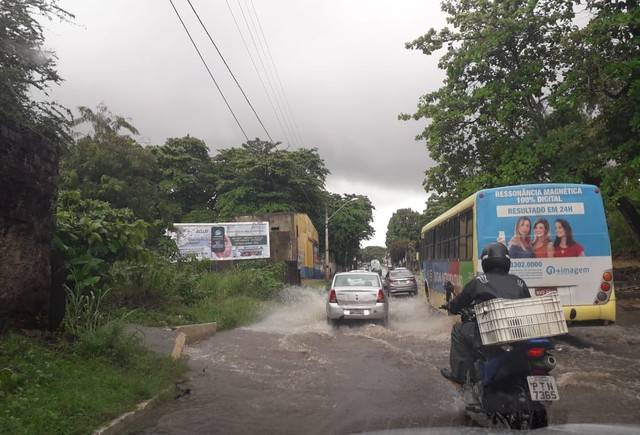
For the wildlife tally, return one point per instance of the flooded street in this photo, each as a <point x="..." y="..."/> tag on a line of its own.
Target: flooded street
<point x="292" y="373"/>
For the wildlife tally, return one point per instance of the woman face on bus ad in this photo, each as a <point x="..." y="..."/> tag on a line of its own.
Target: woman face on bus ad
<point x="541" y="230"/>
<point x="523" y="228"/>
<point x="565" y="245"/>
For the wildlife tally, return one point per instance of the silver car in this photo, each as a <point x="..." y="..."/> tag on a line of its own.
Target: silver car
<point x="357" y="295"/>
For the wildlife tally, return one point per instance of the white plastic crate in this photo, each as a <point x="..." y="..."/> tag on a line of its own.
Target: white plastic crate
<point x="509" y="320"/>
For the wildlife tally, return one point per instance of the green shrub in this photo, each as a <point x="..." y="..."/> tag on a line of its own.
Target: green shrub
<point x="155" y="282"/>
<point x="111" y="343"/>
<point x="228" y="313"/>
<point x="91" y="229"/>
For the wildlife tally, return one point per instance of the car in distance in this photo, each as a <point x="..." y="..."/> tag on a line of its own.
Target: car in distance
<point x="401" y="281"/>
<point x="358" y="296"/>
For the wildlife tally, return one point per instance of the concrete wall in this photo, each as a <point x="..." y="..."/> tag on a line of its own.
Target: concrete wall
<point x="28" y="176"/>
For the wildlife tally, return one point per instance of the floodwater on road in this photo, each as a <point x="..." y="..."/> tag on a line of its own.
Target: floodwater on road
<point x="293" y="373"/>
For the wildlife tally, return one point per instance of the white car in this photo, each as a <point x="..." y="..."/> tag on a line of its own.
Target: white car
<point x="359" y="296"/>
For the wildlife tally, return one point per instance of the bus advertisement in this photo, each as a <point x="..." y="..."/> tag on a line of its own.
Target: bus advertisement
<point x="557" y="239"/>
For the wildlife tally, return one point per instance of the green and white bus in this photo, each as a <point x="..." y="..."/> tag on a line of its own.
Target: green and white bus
<point x="557" y="238"/>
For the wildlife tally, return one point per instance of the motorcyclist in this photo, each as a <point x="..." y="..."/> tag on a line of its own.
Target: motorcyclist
<point x="495" y="282"/>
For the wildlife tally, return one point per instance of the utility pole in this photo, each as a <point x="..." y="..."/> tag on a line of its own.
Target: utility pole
<point x="327" y="273"/>
<point x="327" y="218"/>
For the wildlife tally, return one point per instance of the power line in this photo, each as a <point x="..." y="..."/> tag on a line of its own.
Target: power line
<point x="266" y="70"/>
<point x="255" y="67"/>
<point x="262" y="51"/>
<point x="208" y="70"/>
<point x="277" y="74"/>
<point x="229" y="69"/>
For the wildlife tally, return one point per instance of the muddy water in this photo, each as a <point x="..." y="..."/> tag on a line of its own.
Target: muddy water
<point x="293" y="373"/>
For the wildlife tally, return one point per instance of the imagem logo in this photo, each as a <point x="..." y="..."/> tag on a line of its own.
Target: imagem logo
<point x="552" y="270"/>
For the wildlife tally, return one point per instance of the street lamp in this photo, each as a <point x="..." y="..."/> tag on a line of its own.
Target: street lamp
<point x="327" y="218"/>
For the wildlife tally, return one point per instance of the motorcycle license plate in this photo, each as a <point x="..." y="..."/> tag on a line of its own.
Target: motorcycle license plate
<point x="543" y="388"/>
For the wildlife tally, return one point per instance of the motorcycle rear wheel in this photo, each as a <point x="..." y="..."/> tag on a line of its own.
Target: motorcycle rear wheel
<point x="535" y="418"/>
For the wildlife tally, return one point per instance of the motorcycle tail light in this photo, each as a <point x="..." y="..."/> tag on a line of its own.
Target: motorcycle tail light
<point x="535" y="352"/>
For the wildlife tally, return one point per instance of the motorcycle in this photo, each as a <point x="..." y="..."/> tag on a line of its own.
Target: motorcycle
<point x="510" y="383"/>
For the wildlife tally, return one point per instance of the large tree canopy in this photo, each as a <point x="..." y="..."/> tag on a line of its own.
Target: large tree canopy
<point x="188" y="179"/>
<point x="110" y="166"/>
<point x="404" y="224"/>
<point x="259" y="177"/>
<point x="349" y="226"/>
<point x="531" y="96"/>
<point x="369" y="253"/>
<point x="25" y="65"/>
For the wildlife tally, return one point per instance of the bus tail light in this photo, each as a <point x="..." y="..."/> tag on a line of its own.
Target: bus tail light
<point x="605" y="286"/>
<point x="607" y="276"/>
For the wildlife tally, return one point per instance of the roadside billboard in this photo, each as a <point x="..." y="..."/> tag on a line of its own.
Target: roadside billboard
<point x="556" y="234"/>
<point x="224" y="241"/>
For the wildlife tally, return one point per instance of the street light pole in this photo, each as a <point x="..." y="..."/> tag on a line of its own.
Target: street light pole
<point x="327" y="271"/>
<point x="326" y="235"/>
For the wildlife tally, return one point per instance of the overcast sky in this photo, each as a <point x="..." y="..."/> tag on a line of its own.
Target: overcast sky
<point x="342" y="65"/>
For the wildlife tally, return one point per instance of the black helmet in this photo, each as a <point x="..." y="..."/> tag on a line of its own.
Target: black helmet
<point x="495" y="258"/>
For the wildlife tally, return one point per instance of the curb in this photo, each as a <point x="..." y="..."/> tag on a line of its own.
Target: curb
<point x="198" y="332"/>
<point x="187" y="334"/>
<point x="116" y="425"/>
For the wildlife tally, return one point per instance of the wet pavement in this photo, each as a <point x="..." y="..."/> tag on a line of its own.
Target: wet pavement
<point x="291" y="373"/>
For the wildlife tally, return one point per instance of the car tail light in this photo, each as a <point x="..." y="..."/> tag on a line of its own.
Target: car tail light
<point x="605" y="286"/>
<point x="380" y="295"/>
<point x="607" y="276"/>
<point x="333" y="298"/>
<point x="535" y="352"/>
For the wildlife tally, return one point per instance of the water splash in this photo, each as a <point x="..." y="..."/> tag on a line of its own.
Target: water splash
<point x="298" y="310"/>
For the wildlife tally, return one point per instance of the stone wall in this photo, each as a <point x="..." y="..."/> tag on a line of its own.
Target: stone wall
<point x="28" y="176"/>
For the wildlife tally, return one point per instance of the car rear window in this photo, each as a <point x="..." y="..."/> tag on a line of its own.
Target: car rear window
<point x="355" y="280"/>
<point x="400" y="274"/>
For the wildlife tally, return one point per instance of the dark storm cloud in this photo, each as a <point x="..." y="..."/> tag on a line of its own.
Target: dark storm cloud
<point x="343" y="66"/>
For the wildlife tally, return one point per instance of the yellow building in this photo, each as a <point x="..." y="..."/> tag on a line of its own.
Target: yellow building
<point x="293" y="237"/>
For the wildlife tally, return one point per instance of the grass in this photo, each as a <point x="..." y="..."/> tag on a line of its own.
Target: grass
<point x="228" y="313"/>
<point x="168" y="294"/>
<point x="50" y="386"/>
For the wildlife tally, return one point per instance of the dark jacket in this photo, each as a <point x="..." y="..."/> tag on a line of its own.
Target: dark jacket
<point x="489" y="286"/>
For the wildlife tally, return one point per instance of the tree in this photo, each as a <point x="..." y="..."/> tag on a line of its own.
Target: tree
<point x="26" y="65"/>
<point x="369" y="253"/>
<point x="398" y="250"/>
<point x="491" y="121"/>
<point x="258" y="177"/>
<point x="349" y="226"/>
<point x="435" y="206"/>
<point x="110" y="166"/>
<point x="404" y="224"/>
<point x="188" y="179"/>
<point x="531" y="97"/>
<point x="603" y="81"/>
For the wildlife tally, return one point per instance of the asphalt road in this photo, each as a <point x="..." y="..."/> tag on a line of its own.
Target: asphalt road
<point x="293" y="374"/>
